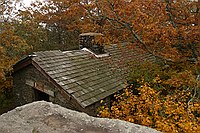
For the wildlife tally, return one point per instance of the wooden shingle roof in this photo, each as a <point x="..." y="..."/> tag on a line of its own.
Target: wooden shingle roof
<point x="84" y="76"/>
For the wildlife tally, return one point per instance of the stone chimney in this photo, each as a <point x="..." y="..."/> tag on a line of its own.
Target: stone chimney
<point x="87" y="40"/>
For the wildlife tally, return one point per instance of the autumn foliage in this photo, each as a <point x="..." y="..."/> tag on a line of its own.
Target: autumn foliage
<point x="164" y="96"/>
<point x="164" y="101"/>
<point x="165" y="28"/>
<point x="170" y="113"/>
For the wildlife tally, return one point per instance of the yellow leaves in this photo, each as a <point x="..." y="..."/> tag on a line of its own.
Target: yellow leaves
<point x="157" y="79"/>
<point x="130" y="120"/>
<point x="190" y="127"/>
<point x="168" y="114"/>
<point x="2" y="74"/>
<point x="101" y="101"/>
<point x="105" y="112"/>
<point x="195" y="128"/>
<point x="127" y="92"/>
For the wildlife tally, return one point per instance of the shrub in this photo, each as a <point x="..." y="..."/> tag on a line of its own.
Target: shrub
<point x="166" y="99"/>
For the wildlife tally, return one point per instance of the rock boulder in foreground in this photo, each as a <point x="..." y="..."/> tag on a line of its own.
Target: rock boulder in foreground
<point x="45" y="117"/>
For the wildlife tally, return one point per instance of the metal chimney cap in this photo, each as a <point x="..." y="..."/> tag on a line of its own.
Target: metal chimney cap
<point x="91" y="34"/>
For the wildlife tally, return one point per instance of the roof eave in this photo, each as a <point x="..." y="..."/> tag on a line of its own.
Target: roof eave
<point x="65" y="94"/>
<point x="23" y="63"/>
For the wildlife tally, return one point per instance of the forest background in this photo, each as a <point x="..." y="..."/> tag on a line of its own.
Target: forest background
<point x="164" y="96"/>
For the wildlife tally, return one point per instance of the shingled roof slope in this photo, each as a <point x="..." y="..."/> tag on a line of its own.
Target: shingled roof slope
<point x="86" y="77"/>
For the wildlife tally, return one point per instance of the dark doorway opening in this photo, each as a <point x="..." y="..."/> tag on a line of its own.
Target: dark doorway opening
<point x="39" y="95"/>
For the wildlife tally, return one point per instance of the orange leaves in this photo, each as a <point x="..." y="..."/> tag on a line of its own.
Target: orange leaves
<point x="165" y="99"/>
<point x="157" y="26"/>
<point x="118" y="20"/>
<point x="168" y="113"/>
<point x="181" y="79"/>
<point x="104" y="111"/>
<point x="11" y="47"/>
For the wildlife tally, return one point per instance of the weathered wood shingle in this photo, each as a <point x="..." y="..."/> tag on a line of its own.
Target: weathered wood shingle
<point x="85" y="77"/>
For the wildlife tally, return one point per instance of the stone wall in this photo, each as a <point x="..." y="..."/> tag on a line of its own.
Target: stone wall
<point x="24" y="93"/>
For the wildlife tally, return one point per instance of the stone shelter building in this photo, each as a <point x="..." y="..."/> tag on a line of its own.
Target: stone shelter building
<point x="77" y="79"/>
